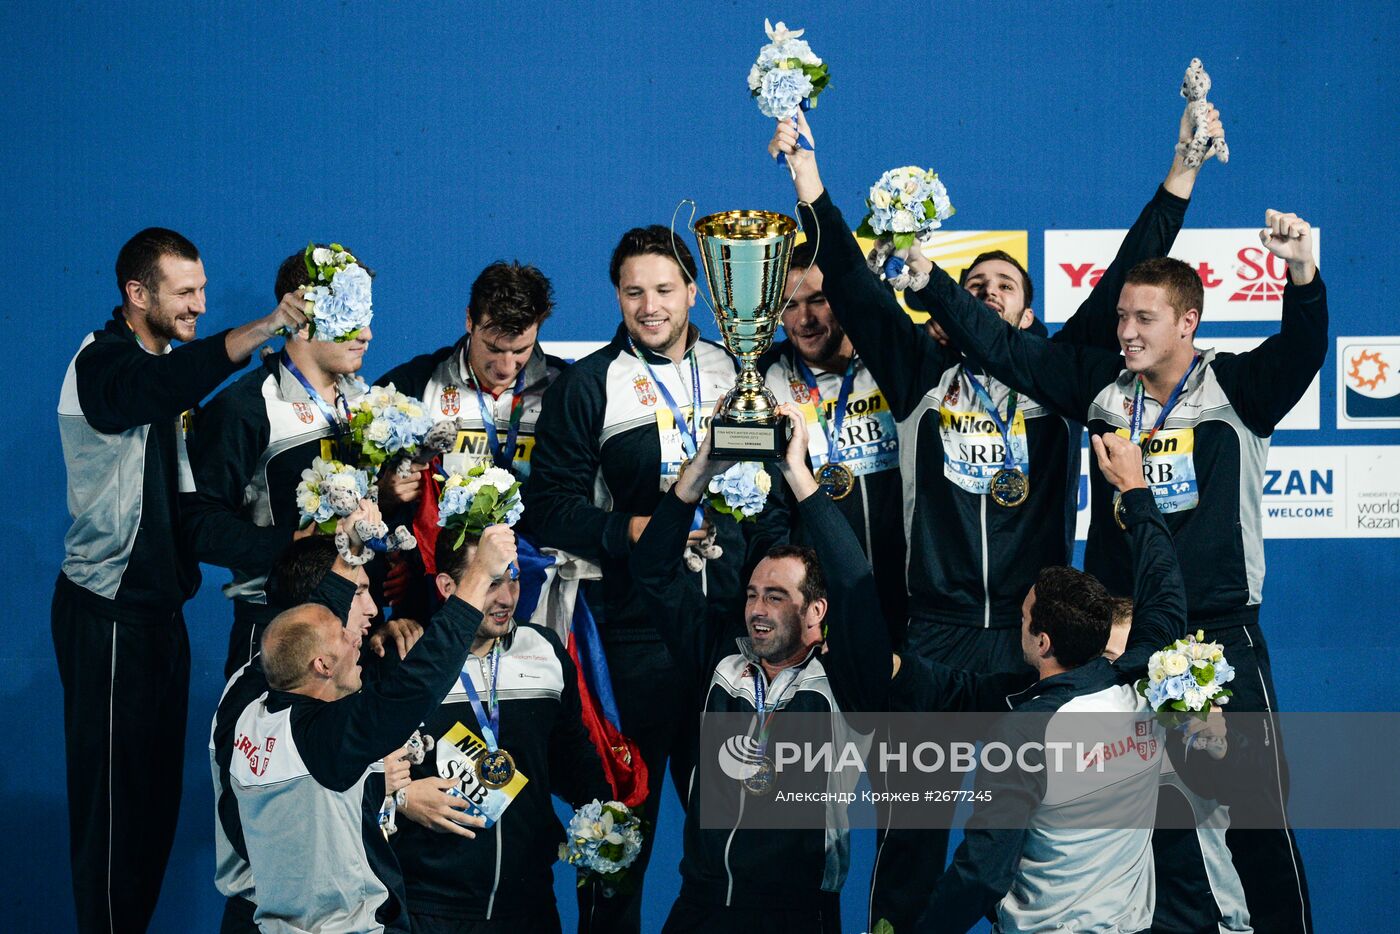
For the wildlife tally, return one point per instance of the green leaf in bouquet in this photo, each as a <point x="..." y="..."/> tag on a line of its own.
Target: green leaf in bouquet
<point x="865" y="230"/>
<point x="929" y="209"/>
<point x="306" y="257"/>
<point x="1205" y="674"/>
<point x="1178" y="705"/>
<point x="327" y="526"/>
<point x="883" y="926"/>
<point x="903" y="241"/>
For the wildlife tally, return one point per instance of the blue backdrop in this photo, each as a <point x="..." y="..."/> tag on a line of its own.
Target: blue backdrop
<point x="436" y="137"/>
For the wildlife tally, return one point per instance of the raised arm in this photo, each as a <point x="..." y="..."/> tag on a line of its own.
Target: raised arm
<point x="674" y="599"/>
<point x="341" y="739"/>
<point x="1263" y="384"/>
<point x="904" y="360"/>
<point x="1159" y="594"/>
<point x="857" y="660"/>
<point x="1152" y="235"/>
<point x="120" y="389"/>
<point x="559" y="507"/>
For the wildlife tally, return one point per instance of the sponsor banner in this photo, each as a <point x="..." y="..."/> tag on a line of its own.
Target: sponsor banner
<point x="1350" y="491"/>
<point x="1243" y="281"/>
<point x="1307" y="414"/>
<point x="1368" y="383"/>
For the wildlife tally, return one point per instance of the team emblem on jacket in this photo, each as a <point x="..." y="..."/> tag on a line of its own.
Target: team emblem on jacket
<point x="799" y="391"/>
<point x="304" y="412"/>
<point x="450" y="401"/>
<point x="950" y="398"/>
<point x="646" y="393"/>
<point x="1127" y="407"/>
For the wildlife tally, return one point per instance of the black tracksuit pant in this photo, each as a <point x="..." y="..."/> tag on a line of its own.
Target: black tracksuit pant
<point x="1268" y="861"/>
<point x="909" y="861"/>
<point x="125" y="696"/>
<point x="660" y="716"/>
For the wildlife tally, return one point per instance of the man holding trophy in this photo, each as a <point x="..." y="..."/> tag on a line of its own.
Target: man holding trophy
<point x="613" y="436"/>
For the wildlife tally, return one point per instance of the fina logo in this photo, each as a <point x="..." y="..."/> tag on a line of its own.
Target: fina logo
<point x="739" y="757"/>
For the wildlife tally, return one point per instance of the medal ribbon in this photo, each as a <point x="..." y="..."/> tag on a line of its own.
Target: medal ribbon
<point x="765" y="716"/>
<point x="1003" y="426"/>
<point x="690" y="437"/>
<point x="691" y="433"/>
<point x="490" y="723"/>
<point x="1135" y="422"/>
<point x="832" y="432"/>
<point x="501" y="456"/>
<point x="338" y="417"/>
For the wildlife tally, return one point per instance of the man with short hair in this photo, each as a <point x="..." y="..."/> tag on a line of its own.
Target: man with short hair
<point x="310" y="570"/>
<point x="1032" y="853"/>
<point x="304" y="751"/>
<point x="811" y="644"/>
<point x="118" y="629"/>
<point x="615" y="429"/>
<point x="520" y="679"/>
<point x="248" y="449"/>
<point x="854" y="442"/>
<point x="491" y="381"/>
<point x="1204" y="420"/>
<point x="990" y="472"/>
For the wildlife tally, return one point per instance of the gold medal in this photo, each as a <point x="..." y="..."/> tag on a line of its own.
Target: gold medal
<point x="1119" y="512"/>
<point x="495" y="769"/>
<point x="1010" y="487"/>
<point x="761" y="781"/>
<point x="835" y="480"/>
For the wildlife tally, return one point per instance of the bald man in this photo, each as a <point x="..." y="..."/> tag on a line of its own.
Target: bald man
<point x="304" y="749"/>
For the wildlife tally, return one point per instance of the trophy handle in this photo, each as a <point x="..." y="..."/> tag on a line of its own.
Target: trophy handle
<point x="816" y="246"/>
<point x="689" y="225"/>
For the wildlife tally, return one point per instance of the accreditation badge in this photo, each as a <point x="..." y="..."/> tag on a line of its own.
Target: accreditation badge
<point x="869" y="442"/>
<point x="974" y="451"/>
<point x="1169" y="467"/>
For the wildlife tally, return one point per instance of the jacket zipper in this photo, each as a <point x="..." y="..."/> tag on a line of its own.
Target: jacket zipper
<point x="986" y="594"/>
<point x="496" y="882"/>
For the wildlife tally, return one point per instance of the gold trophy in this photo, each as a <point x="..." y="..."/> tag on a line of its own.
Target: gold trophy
<point x="745" y="255"/>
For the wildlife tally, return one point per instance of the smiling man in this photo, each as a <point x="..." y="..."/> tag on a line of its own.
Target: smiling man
<point x="810" y="644"/>
<point x="519" y="680"/>
<point x="615" y="430"/>
<point x="248" y="449"/>
<point x="989" y="471"/>
<point x="303" y="753"/>
<point x="1203" y="420"/>
<point x="118" y="628"/>
<point x="854" y="448"/>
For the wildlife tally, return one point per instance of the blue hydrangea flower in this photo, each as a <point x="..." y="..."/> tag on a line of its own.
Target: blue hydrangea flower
<point x="782" y="92"/>
<point x="741" y="488"/>
<point x="345" y="307"/>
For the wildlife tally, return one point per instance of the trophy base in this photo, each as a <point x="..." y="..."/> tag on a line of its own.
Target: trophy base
<point x="749" y="441"/>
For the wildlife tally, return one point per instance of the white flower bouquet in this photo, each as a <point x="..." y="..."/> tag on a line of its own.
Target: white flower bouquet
<point x="1185" y="679"/>
<point x="329" y="491"/>
<point x="482" y="496"/>
<point x="787" y="77"/>
<point x="338" y="300"/>
<point x="385" y="423"/>
<point x="603" y="841"/>
<point x="906" y="205"/>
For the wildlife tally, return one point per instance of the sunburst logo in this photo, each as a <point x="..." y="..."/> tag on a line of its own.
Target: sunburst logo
<point x="1368" y="370"/>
